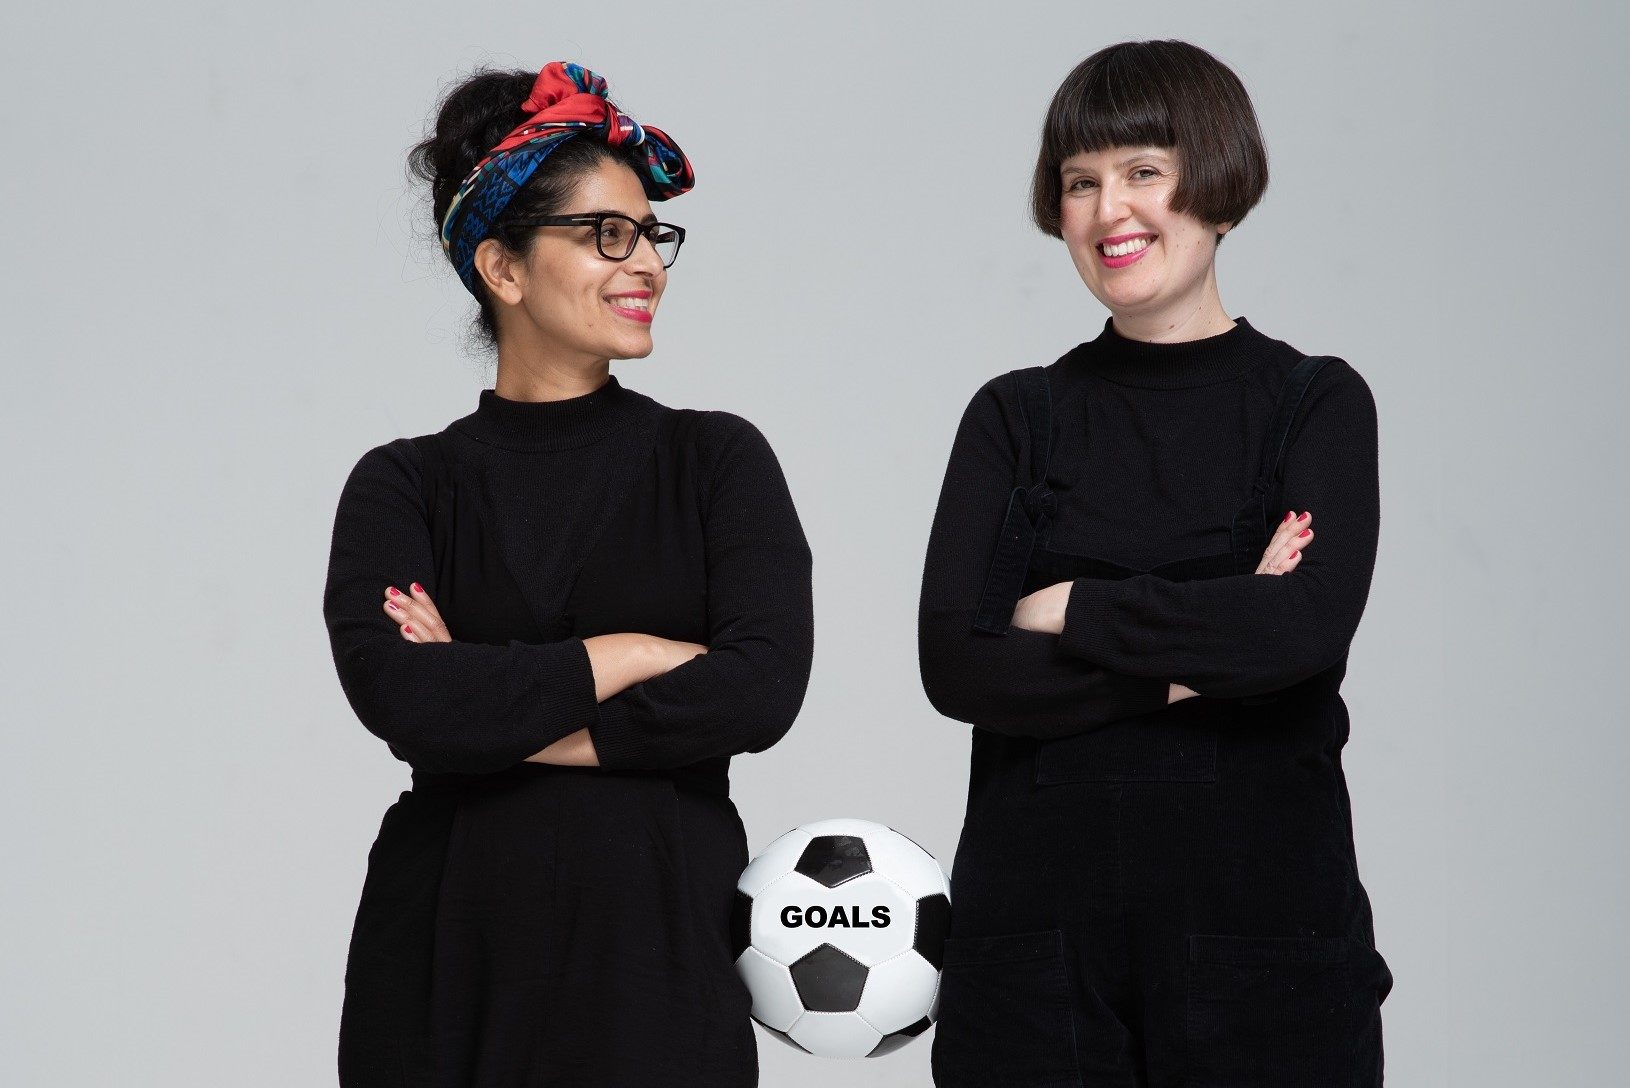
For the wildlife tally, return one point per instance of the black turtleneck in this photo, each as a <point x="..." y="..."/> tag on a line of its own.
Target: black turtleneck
<point x="1155" y="447"/>
<point x="551" y="475"/>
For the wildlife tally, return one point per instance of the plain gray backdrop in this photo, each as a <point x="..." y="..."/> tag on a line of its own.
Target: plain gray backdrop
<point x="220" y="289"/>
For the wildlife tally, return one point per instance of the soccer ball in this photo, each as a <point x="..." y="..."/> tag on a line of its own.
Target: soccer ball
<point x="838" y="931"/>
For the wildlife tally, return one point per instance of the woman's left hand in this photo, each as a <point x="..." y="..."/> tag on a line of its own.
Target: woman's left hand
<point x="415" y="615"/>
<point x="1044" y="609"/>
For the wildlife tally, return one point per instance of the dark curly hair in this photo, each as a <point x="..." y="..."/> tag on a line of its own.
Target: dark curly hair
<point x="470" y="120"/>
<point x="1167" y="94"/>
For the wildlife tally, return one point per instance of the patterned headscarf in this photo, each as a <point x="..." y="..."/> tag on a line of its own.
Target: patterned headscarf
<point x="566" y="100"/>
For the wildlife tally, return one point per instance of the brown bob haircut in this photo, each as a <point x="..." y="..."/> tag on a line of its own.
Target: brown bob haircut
<point x="1166" y="94"/>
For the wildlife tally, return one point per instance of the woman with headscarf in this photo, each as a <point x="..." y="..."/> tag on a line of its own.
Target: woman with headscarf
<point x="566" y="612"/>
<point x="1156" y="882"/>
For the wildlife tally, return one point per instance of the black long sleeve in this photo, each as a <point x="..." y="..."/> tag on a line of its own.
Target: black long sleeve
<point x="1020" y="683"/>
<point x="743" y="694"/>
<point x="441" y="706"/>
<point x="1249" y="634"/>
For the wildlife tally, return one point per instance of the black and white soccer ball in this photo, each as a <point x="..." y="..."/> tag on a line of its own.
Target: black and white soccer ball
<point x="838" y="931"/>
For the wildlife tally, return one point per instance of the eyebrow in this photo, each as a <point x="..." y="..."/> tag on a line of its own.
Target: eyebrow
<point x="650" y="217"/>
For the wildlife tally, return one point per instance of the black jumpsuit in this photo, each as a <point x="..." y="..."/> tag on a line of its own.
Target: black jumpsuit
<point x="1167" y="897"/>
<point x="525" y="924"/>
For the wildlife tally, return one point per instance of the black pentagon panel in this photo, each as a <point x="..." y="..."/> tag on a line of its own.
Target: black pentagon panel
<point x="829" y="980"/>
<point x="781" y="1035"/>
<point x="933" y="926"/>
<point x="833" y="859"/>
<point x="741" y="924"/>
<point x="894" y="1040"/>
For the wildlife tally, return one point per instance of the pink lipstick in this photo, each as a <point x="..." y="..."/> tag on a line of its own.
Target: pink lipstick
<point x="633" y="313"/>
<point x="1130" y="258"/>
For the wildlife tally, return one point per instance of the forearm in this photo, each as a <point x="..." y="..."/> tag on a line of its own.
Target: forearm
<point x="740" y="697"/>
<point x="465" y="707"/>
<point x="1020" y="683"/>
<point x="1236" y="636"/>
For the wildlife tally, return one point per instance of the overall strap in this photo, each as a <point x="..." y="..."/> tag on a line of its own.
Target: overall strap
<point x="1029" y="509"/>
<point x="1252" y="528"/>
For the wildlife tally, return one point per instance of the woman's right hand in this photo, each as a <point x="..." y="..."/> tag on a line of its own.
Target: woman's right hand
<point x="1295" y="532"/>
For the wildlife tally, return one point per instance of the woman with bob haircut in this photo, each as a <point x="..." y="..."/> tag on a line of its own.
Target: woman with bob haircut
<point x="1156" y="882"/>
<point x="566" y="612"/>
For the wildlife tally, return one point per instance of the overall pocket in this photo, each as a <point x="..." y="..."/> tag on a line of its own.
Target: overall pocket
<point x="1269" y="1012"/>
<point x="1005" y="1016"/>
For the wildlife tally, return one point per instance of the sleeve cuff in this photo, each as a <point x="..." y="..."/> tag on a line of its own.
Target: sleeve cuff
<point x="616" y="741"/>
<point x="1086" y="632"/>
<point x="567" y="679"/>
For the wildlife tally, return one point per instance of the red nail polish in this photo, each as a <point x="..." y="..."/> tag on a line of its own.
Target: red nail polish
<point x="1288" y="513"/>
<point x="1304" y="532"/>
<point x="1304" y="516"/>
<point x="417" y="588"/>
<point x="392" y="591"/>
<point x="408" y="627"/>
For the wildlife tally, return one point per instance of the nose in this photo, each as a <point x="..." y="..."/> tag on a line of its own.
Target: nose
<point x="644" y="259"/>
<point x="1111" y="205"/>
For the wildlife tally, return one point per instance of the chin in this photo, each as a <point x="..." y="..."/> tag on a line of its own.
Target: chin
<point x="635" y="351"/>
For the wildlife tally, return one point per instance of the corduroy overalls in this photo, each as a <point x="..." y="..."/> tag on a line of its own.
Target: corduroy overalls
<point x="1167" y="900"/>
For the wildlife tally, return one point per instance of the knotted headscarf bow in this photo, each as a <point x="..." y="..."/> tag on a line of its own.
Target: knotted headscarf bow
<point x="567" y="100"/>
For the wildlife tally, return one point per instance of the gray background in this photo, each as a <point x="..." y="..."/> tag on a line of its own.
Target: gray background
<point x="218" y="291"/>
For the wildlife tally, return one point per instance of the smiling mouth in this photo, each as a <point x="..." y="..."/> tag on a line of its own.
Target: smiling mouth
<point x="635" y="309"/>
<point x="1127" y="248"/>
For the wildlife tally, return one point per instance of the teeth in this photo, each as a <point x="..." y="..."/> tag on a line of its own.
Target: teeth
<point x="1126" y="247"/>
<point x="632" y="303"/>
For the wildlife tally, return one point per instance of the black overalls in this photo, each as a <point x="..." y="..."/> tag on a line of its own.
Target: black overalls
<point x="548" y="926"/>
<point x="1170" y="899"/>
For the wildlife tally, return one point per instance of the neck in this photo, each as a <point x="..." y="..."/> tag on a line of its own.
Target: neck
<point x="541" y="378"/>
<point x="1192" y="318"/>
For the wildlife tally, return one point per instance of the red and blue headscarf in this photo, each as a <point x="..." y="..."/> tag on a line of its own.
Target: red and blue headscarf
<point x="567" y="100"/>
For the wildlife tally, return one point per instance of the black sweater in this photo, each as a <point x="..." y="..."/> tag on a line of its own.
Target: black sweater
<point x="1155" y="449"/>
<point x="550" y="476"/>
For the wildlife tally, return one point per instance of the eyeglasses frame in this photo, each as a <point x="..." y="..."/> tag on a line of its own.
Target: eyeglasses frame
<point x="597" y="220"/>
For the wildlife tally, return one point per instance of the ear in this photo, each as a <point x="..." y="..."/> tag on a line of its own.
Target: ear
<point x="505" y="278"/>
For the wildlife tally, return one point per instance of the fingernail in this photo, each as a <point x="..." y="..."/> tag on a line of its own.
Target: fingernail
<point x="1304" y="532"/>
<point x="392" y="606"/>
<point x="1304" y="516"/>
<point x="408" y="627"/>
<point x="392" y="590"/>
<point x="417" y="588"/>
<point x="1288" y="513"/>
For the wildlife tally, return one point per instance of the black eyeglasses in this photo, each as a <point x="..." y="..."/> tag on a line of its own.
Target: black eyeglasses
<point x="616" y="235"/>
